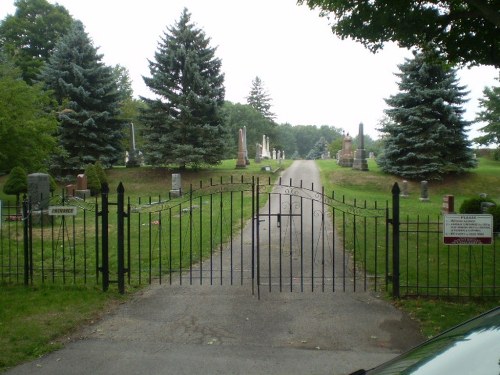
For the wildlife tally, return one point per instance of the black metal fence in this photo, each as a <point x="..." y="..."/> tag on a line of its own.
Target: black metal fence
<point x="272" y="237"/>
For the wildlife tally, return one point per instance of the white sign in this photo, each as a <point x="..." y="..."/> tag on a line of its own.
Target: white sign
<point x="62" y="210"/>
<point x="465" y="229"/>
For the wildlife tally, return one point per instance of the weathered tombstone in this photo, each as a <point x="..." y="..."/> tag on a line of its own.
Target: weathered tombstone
<point x="265" y="148"/>
<point x="70" y="190"/>
<point x="360" y="162"/>
<point x="404" y="189"/>
<point x="424" y="191"/>
<point x="39" y="190"/>
<point x="258" y="153"/>
<point x="82" y="190"/>
<point x="176" y="190"/>
<point x="274" y="154"/>
<point x="371" y="155"/>
<point x="346" y="157"/>
<point x="448" y="206"/>
<point x="132" y="159"/>
<point x="241" y="162"/>
<point x="283" y="155"/>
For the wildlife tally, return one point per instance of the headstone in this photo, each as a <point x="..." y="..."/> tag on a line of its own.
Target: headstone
<point x="82" y="190"/>
<point x="265" y="148"/>
<point x="360" y="162"/>
<point x="241" y="162"/>
<point x="258" y="152"/>
<point x="283" y="155"/>
<point x="448" y="204"/>
<point x="371" y="155"/>
<point x="346" y="156"/>
<point x="176" y="190"/>
<point x="404" y="189"/>
<point x="274" y="154"/>
<point x="424" y="191"/>
<point x="39" y="191"/>
<point x="70" y="190"/>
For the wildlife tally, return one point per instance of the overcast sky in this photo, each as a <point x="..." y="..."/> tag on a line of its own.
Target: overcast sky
<point x="312" y="77"/>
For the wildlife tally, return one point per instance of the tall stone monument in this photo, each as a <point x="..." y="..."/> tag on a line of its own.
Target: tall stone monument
<point x="39" y="191"/>
<point x="241" y="162"/>
<point x="360" y="162"/>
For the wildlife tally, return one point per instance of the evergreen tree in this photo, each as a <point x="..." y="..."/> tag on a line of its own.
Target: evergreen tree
<point x="319" y="150"/>
<point x="16" y="183"/>
<point x="424" y="130"/>
<point x="490" y="114"/>
<point x="30" y="35"/>
<point x="184" y="124"/>
<point x="90" y="128"/>
<point x="259" y="99"/>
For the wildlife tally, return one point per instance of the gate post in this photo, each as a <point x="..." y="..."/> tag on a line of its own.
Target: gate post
<point x="395" y="240"/>
<point x="121" y="237"/>
<point x="104" y="236"/>
<point x="26" y="240"/>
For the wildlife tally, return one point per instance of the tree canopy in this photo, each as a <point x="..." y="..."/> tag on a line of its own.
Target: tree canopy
<point x="184" y="123"/>
<point x="490" y="114"/>
<point x="86" y="89"/>
<point x="27" y="126"/>
<point x="425" y="133"/>
<point x="30" y="35"/>
<point x="466" y="31"/>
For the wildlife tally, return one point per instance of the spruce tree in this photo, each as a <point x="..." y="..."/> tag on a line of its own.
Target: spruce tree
<point x="425" y="133"/>
<point x="184" y="124"/>
<point x="259" y="99"/>
<point x="490" y="115"/>
<point x="90" y="128"/>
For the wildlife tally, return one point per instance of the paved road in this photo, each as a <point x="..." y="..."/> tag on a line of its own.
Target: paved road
<point x="182" y="329"/>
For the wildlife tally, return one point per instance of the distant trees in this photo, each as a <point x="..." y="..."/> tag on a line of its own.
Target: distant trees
<point x="86" y="89"/>
<point x="319" y="150"/>
<point x="465" y="31"/>
<point x="259" y="99"/>
<point x="16" y="183"/>
<point x="27" y="126"/>
<point x="425" y="134"/>
<point x="490" y="114"/>
<point x="30" y="35"/>
<point x="184" y="124"/>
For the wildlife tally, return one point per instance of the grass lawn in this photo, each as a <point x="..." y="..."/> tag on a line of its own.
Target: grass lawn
<point x="373" y="185"/>
<point x="36" y="320"/>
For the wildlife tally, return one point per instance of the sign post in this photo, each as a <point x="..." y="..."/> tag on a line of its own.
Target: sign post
<point x="468" y="229"/>
<point x="62" y="210"/>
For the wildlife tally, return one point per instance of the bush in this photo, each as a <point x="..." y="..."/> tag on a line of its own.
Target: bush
<point x="495" y="211"/>
<point x="93" y="182"/>
<point x="101" y="174"/>
<point x="17" y="183"/>
<point x="473" y="205"/>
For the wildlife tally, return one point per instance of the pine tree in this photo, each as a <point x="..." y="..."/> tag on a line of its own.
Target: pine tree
<point x="425" y="136"/>
<point x="184" y="124"/>
<point x="259" y="99"/>
<point x="90" y="128"/>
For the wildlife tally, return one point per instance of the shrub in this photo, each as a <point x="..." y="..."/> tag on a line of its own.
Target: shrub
<point x="473" y="205"/>
<point x="101" y="174"/>
<point x="93" y="183"/>
<point x="16" y="183"/>
<point x="495" y="211"/>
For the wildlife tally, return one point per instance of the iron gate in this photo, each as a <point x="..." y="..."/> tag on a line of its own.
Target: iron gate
<point x="282" y="236"/>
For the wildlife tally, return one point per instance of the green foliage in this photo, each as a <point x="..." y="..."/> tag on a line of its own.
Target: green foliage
<point x="90" y="128"/>
<point x="319" y="150"/>
<point x="425" y="133"/>
<point x="238" y="116"/>
<point x="17" y="182"/>
<point x="490" y="114"/>
<point x="184" y="124"/>
<point x="495" y="212"/>
<point x="27" y="128"/>
<point x="465" y="31"/>
<point x="101" y="174"/>
<point x="93" y="182"/>
<point x="29" y="36"/>
<point x="473" y="205"/>
<point x="259" y="99"/>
